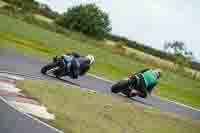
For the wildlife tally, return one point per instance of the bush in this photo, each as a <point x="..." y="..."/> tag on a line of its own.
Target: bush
<point x="87" y="19"/>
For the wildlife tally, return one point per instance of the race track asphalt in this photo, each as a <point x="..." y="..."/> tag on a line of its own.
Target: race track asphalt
<point x="13" y="121"/>
<point x="13" y="62"/>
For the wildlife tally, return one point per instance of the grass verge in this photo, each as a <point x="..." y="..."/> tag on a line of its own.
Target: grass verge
<point x="79" y="111"/>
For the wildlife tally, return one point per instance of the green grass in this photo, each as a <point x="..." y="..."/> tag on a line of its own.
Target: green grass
<point x="37" y="41"/>
<point x="79" y="111"/>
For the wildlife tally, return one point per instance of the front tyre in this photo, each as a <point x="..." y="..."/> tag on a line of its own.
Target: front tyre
<point x="44" y="70"/>
<point x="47" y="68"/>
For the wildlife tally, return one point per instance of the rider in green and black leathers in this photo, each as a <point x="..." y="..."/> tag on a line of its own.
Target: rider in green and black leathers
<point x="144" y="81"/>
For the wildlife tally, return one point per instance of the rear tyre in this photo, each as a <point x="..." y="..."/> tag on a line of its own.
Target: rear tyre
<point x="120" y="86"/>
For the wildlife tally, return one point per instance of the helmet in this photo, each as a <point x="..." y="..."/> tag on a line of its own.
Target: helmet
<point x="157" y="72"/>
<point x="91" y="58"/>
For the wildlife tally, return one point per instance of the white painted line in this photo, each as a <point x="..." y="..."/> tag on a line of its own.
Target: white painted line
<point x="99" y="77"/>
<point x="27" y="115"/>
<point x="11" y="76"/>
<point x="165" y="99"/>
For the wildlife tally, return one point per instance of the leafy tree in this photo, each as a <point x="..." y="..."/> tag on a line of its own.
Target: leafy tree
<point x="182" y="55"/>
<point x="88" y="19"/>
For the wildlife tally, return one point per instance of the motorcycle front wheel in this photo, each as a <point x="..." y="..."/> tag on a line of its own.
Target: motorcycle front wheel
<point x="48" y="67"/>
<point x="120" y="86"/>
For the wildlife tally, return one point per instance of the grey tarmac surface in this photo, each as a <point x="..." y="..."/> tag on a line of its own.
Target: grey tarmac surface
<point x="12" y="121"/>
<point x="14" y="62"/>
